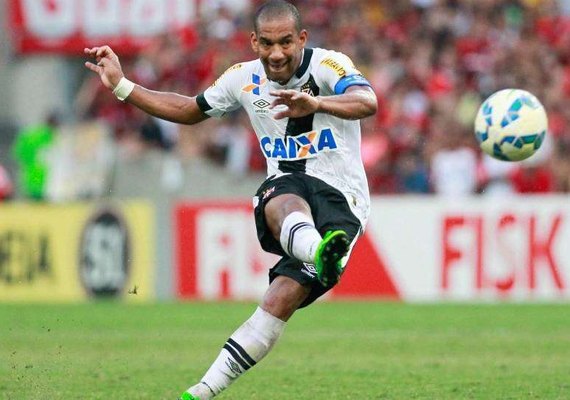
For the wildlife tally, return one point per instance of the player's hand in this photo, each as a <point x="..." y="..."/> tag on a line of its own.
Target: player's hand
<point x="298" y="104"/>
<point x="107" y="65"/>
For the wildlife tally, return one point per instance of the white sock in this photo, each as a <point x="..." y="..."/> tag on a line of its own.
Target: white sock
<point x="246" y="347"/>
<point x="299" y="237"/>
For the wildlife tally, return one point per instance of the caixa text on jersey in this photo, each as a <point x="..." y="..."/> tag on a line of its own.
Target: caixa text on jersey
<point x="306" y="145"/>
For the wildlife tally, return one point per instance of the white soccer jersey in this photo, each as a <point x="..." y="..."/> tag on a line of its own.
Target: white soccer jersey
<point x="319" y="145"/>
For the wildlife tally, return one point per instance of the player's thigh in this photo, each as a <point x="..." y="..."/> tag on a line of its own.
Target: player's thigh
<point x="279" y="207"/>
<point x="331" y="210"/>
<point x="269" y="190"/>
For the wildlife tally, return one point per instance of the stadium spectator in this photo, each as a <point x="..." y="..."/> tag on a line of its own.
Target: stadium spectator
<point x="6" y="185"/>
<point x="30" y="150"/>
<point x="305" y="105"/>
<point x="231" y="145"/>
<point x="412" y="174"/>
<point x="533" y="179"/>
<point x="494" y="177"/>
<point x="453" y="161"/>
<point x="560" y="167"/>
<point x="158" y="133"/>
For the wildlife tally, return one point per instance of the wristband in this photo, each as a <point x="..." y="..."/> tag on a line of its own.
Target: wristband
<point x="123" y="89"/>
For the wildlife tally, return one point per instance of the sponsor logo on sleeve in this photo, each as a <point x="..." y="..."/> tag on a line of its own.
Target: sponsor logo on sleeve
<point x="335" y="66"/>
<point x="230" y="69"/>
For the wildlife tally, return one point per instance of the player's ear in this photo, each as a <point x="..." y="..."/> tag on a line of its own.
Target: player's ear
<point x="254" y="42"/>
<point x="303" y="37"/>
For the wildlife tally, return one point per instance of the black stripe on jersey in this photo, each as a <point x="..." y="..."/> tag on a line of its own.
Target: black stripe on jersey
<point x="241" y="351"/>
<point x="298" y="126"/>
<point x="203" y="103"/>
<point x="305" y="64"/>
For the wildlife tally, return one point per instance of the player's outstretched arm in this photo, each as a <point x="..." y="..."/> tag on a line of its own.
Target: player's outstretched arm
<point x="170" y="106"/>
<point x="356" y="103"/>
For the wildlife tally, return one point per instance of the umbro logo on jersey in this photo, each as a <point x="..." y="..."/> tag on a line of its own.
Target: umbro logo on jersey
<point x="306" y="145"/>
<point x="261" y="106"/>
<point x="261" y="103"/>
<point x="255" y="86"/>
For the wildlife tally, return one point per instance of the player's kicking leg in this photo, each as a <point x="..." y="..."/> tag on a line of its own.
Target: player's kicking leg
<point x="328" y="260"/>
<point x="289" y="219"/>
<point x="292" y="223"/>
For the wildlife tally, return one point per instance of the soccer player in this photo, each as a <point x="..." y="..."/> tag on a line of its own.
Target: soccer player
<point x="304" y="105"/>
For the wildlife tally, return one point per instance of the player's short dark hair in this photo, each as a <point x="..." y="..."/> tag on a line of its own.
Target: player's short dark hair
<point x="274" y="9"/>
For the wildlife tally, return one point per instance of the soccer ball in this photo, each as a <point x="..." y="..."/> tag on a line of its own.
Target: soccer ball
<point x="511" y="125"/>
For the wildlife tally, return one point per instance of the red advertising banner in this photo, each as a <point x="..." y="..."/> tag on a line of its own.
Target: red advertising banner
<point x="524" y="242"/>
<point x="68" y="26"/>
<point x="480" y="248"/>
<point x="217" y="254"/>
<point x="414" y="249"/>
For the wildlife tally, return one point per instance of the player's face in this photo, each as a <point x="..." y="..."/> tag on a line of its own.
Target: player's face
<point x="280" y="48"/>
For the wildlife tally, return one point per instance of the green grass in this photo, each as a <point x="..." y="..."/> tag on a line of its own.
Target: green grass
<point x="329" y="351"/>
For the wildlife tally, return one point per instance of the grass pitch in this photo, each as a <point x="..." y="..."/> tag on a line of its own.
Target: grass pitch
<point x="329" y="351"/>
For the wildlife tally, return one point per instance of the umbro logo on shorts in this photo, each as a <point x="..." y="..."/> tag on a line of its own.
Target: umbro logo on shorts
<point x="309" y="269"/>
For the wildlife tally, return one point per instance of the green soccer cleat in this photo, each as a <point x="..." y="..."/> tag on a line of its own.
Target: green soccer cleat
<point x="188" y="396"/>
<point x="331" y="250"/>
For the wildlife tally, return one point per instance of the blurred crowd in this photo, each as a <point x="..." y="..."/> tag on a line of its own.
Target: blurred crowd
<point x="431" y="63"/>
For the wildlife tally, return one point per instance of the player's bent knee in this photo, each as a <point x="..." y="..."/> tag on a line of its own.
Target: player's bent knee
<point x="283" y="297"/>
<point x="278" y="308"/>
